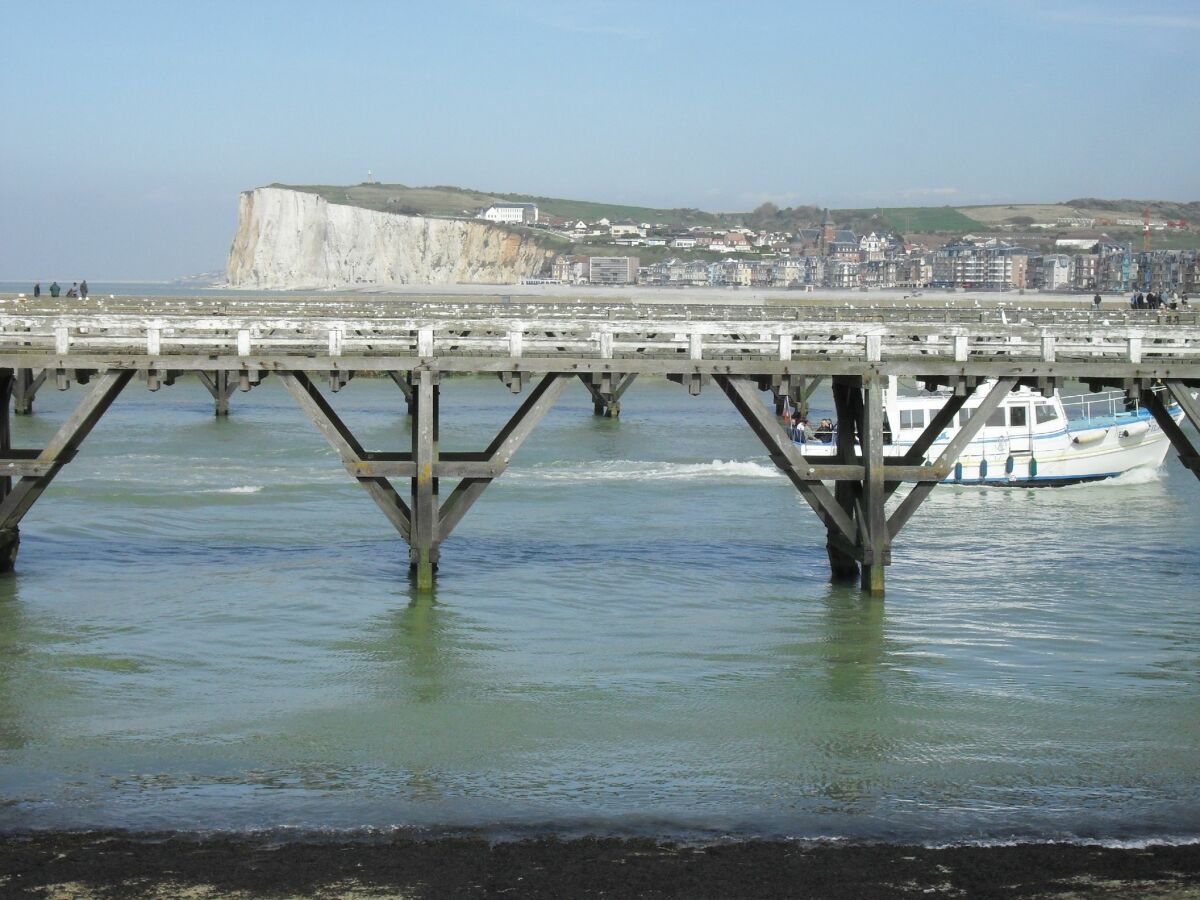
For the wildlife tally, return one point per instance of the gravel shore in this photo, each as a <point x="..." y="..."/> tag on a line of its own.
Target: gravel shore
<point x="60" y="865"/>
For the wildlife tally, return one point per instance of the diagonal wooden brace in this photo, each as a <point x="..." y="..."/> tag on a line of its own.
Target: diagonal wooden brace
<point x="949" y="455"/>
<point x="743" y="394"/>
<point x="44" y="464"/>
<point x="1189" y="456"/>
<point x="343" y="441"/>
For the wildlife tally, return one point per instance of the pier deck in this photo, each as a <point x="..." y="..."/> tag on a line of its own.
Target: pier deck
<point x="744" y="350"/>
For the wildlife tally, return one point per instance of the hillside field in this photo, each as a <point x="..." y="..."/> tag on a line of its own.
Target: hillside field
<point x="445" y="200"/>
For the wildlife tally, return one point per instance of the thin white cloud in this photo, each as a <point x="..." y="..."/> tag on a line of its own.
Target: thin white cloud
<point x="1080" y="16"/>
<point x="930" y="192"/>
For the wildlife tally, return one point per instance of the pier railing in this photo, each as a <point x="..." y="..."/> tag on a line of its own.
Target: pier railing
<point x="658" y="340"/>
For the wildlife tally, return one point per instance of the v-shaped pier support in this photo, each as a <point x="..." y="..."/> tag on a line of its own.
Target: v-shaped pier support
<point x="859" y="529"/>
<point x="421" y="521"/>
<point x="606" y="389"/>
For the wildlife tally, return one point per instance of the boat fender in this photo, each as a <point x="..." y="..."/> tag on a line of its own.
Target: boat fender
<point x="1135" y="430"/>
<point x="983" y="468"/>
<point x="1009" y="465"/>
<point x="1089" y="437"/>
<point x="958" y="471"/>
<point x="1032" y="467"/>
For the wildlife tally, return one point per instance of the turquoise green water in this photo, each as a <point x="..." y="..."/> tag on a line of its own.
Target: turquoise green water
<point x="212" y="627"/>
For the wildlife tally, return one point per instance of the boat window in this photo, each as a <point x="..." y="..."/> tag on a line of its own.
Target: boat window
<point x="912" y="418"/>
<point x="1018" y="416"/>
<point x="1045" y="413"/>
<point x="996" y="419"/>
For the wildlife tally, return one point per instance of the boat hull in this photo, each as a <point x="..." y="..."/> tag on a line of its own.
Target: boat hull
<point x="1053" y="460"/>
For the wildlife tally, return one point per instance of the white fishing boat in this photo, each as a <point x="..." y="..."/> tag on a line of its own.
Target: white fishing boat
<point x="1029" y="440"/>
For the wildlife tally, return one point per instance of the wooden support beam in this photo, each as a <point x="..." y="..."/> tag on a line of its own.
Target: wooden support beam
<point x="479" y="469"/>
<point x="1189" y="456"/>
<point x="10" y="538"/>
<point x="25" y="388"/>
<point x="606" y="390"/>
<point x="742" y="393"/>
<point x="424" y="542"/>
<point x="872" y="514"/>
<point x="950" y="454"/>
<point x="1183" y="396"/>
<point x="402" y="382"/>
<point x="461" y="499"/>
<point x="915" y="454"/>
<point x="844" y="566"/>
<point x="220" y="387"/>
<point x="343" y="441"/>
<point x="61" y="448"/>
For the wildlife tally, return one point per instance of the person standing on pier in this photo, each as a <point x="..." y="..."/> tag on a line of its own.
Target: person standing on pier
<point x="83" y="289"/>
<point x="37" y="289"/>
<point x="55" y="290"/>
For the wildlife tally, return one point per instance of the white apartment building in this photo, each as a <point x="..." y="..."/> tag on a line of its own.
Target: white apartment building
<point x="612" y="269"/>
<point x="511" y="213"/>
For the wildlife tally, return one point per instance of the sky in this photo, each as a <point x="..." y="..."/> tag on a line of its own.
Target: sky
<point x="129" y="128"/>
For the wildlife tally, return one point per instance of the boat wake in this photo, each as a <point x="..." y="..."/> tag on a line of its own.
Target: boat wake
<point x="1133" y="477"/>
<point x="574" y="472"/>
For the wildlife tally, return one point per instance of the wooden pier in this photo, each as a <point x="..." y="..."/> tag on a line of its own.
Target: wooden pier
<point x="746" y="352"/>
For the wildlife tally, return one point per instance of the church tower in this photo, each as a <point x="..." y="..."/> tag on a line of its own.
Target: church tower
<point x="828" y="233"/>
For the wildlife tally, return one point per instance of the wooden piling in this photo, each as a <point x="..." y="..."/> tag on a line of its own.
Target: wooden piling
<point x="10" y="538"/>
<point x="873" y="516"/>
<point x="424" y="548"/>
<point x="843" y="565"/>
<point x="24" y="389"/>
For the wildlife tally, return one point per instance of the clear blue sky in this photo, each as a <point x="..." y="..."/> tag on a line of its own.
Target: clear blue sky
<point x="130" y="128"/>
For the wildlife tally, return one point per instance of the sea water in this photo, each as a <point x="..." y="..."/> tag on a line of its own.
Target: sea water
<point x="212" y="626"/>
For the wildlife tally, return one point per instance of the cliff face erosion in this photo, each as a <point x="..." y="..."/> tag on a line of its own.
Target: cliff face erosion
<point x="290" y="240"/>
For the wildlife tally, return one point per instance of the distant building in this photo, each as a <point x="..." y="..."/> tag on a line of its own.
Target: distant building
<point x="612" y="269"/>
<point x="980" y="264"/>
<point x="626" y="228"/>
<point x="511" y="213"/>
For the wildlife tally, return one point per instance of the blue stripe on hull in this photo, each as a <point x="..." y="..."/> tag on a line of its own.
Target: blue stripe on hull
<point x="1036" y="481"/>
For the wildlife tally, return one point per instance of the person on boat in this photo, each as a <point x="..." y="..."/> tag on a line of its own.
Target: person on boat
<point x="1096" y="301"/>
<point x="73" y="290"/>
<point x="804" y="431"/>
<point x="55" y="290"/>
<point x="1183" y="300"/>
<point x="37" y="289"/>
<point x="824" y="432"/>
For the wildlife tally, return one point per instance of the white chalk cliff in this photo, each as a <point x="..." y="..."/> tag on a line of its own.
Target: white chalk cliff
<point x="290" y="240"/>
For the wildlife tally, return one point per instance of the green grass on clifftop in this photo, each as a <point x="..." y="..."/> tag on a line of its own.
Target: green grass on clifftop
<point x="442" y="200"/>
<point x="930" y="220"/>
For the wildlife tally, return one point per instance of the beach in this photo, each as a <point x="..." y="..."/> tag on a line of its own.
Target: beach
<point x="167" y="866"/>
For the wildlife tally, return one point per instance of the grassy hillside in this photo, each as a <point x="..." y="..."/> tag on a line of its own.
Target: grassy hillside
<point x="445" y="200"/>
<point x="442" y="200"/>
<point x="930" y="220"/>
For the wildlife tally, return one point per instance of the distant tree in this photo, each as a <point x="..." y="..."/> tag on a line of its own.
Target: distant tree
<point x="766" y="212"/>
<point x="1019" y="220"/>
